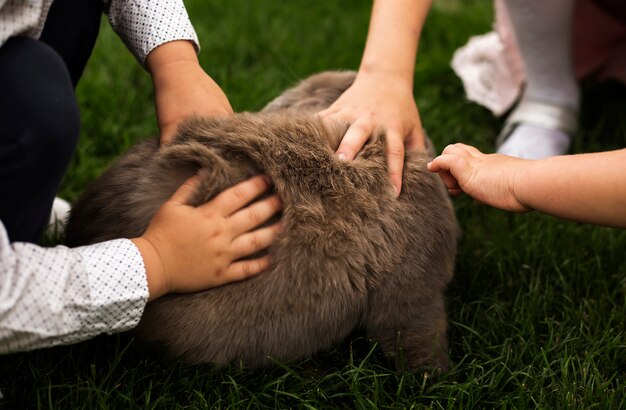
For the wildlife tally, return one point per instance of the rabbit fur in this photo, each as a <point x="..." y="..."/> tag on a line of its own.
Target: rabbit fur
<point x="350" y="255"/>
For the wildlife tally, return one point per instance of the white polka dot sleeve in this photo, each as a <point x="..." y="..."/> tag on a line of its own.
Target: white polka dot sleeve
<point x="146" y="24"/>
<point x="51" y="296"/>
<point x="24" y="18"/>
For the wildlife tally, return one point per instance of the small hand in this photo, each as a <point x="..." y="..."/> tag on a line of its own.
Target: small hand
<point x="187" y="249"/>
<point x="488" y="178"/>
<point x="384" y="101"/>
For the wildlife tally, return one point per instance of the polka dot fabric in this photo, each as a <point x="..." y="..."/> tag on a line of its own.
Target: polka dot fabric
<point x="22" y="17"/>
<point x="141" y="24"/>
<point x="146" y="24"/>
<point x="51" y="296"/>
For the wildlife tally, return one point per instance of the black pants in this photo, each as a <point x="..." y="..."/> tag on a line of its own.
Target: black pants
<point x="39" y="118"/>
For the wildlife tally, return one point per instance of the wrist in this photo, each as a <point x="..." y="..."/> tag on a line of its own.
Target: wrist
<point x="155" y="272"/>
<point x="520" y="181"/>
<point x="388" y="73"/>
<point x="172" y="74"/>
<point x="173" y="53"/>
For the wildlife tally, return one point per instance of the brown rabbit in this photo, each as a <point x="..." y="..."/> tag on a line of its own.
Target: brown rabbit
<point x="350" y="253"/>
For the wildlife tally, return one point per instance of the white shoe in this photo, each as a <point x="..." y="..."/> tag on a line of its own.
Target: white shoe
<point x="58" y="216"/>
<point x="536" y="130"/>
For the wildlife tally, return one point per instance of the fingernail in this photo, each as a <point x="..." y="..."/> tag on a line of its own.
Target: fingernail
<point x="267" y="179"/>
<point x="397" y="190"/>
<point x="341" y="157"/>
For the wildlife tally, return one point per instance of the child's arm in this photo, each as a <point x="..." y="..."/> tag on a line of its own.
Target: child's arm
<point x="585" y="187"/>
<point x="382" y="94"/>
<point x="51" y="296"/>
<point x="181" y="87"/>
<point x="168" y="50"/>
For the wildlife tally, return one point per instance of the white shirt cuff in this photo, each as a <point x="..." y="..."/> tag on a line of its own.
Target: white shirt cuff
<point x="146" y="24"/>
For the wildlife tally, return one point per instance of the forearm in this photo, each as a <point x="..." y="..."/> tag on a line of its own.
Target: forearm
<point x="155" y="277"/>
<point x="173" y="52"/>
<point x="181" y="87"/>
<point x="168" y="63"/>
<point x="586" y="187"/>
<point x="51" y="296"/>
<point x="393" y="37"/>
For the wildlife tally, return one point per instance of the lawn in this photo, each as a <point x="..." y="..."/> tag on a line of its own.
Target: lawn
<point x="537" y="308"/>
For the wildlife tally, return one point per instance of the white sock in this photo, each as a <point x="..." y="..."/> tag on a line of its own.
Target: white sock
<point x="532" y="142"/>
<point x="543" y="31"/>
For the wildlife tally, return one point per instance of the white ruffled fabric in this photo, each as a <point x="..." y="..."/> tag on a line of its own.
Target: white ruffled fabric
<point x="487" y="77"/>
<point x="490" y="66"/>
<point x="492" y="69"/>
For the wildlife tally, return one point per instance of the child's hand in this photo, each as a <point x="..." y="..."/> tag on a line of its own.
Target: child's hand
<point x="486" y="178"/>
<point x="379" y="100"/>
<point x="187" y="249"/>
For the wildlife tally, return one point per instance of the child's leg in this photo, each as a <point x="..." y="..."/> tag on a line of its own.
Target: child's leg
<point x="71" y="29"/>
<point x="39" y="113"/>
<point x="40" y="127"/>
<point x="543" y="30"/>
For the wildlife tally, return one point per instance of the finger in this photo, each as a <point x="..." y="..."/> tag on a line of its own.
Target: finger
<point x="456" y="149"/>
<point x="324" y="114"/>
<point x="472" y="150"/>
<point x="238" y="196"/>
<point x="455" y="191"/>
<point x="395" y="159"/>
<point x="450" y="168"/>
<point x="448" y="180"/>
<point x="354" y="139"/>
<point x="186" y="190"/>
<point x="433" y="166"/>
<point x="441" y="166"/>
<point x="255" y="241"/>
<point x="441" y="163"/>
<point x="416" y="140"/>
<point x="247" y="268"/>
<point x="255" y="215"/>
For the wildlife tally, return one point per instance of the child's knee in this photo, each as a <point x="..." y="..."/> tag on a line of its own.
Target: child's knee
<point x="38" y="107"/>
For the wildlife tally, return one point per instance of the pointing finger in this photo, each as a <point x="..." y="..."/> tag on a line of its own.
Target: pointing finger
<point x="239" y="195"/>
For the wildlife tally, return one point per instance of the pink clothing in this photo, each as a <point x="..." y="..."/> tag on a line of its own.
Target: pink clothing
<point x="600" y="40"/>
<point x="492" y="69"/>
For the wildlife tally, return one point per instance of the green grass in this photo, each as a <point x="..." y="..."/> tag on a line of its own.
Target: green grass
<point x="537" y="309"/>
